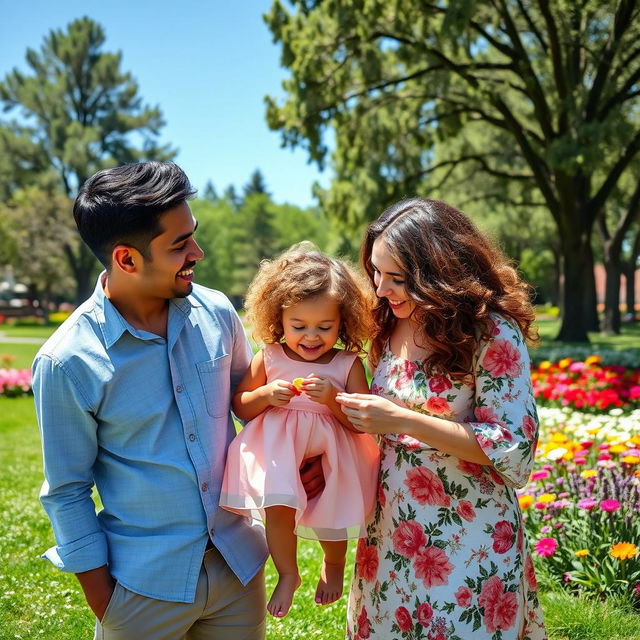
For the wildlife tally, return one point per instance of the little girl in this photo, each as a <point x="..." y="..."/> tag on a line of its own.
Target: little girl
<point x="300" y="305"/>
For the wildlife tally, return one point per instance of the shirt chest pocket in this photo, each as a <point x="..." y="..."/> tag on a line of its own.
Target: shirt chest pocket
<point x="216" y="385"/>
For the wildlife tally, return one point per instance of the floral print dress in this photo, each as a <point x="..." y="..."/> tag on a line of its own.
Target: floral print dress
<point x="446" y="557"/>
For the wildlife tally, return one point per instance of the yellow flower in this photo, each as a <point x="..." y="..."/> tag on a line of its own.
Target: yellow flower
<point x="635" y="439"/>
<point x="544" y="365"/>
<point x="581" y="553"/>
<point x="525" y="501"/>
<point x="546" y="498"/>
<point x="631" y="460"/>
<point x="564" y="363"/>
<point x="624" y="550"/>
<point x="592" y="360"/>
<point x="558" y="437"/>
<point x="617" y="448"/>
<point x="589" y="473"/>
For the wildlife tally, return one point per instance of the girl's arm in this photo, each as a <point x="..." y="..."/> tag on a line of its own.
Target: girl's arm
<point x="323" y="391"/>
<point x="253" y="395"/>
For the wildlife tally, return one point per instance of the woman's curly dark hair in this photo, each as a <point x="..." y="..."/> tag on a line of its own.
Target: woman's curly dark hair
<point x="303" y="272"/>
<point x="457" y="278"/>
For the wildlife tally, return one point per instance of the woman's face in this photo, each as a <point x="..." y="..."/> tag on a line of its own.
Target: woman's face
<point x="389" y="279"/>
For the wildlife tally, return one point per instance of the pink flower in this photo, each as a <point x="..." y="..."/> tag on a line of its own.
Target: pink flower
<point x="470" y="468"/>
<point x="432" y="566"/>
<point x="528" y="427"/>
<point x="587" y="503"/>
<point x="403" y="618"/>
<point x="539" y="475"/>
<point x="530" y="573"/>
<point x="500" y="608"/>
<point x="437" y="405"/>
<point x="503" y="537"/>
<point x="609" y="505"/>
<point x="438" y="384"/>
<point x="424" y="613"/>
<point x="466" y="511"/>
<point x="366" y="561"/>
<point x="502" y="359"/>
<point x="485" y="414"/>
<point x="426" y="488"/>
<point x="408" y="538"/>
<point x="546" y="547"/>
<point x="463" y="597"/>
<point x="364" y="626"/>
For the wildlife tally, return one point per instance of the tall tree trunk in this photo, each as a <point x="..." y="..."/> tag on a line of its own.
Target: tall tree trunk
<point x="612" y="319"/>
<point x="83" y="266"/>
<point x="629" y="269"/>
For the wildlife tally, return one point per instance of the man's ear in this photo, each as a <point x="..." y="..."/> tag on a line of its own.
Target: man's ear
<point x="126" y="258"/>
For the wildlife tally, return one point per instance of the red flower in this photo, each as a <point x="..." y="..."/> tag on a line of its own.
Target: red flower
<point x="495" y="476"/>
<point x="485" y="414"/>
<point x="466" y="511"/>
<point x="530" y="573"/>
<point x="437" y="405"/>
<point x="432" y="566"/>
<point x="366" y="561"/>
<point x="438" y="384"/>
<point x="500" y="608"/>
<point x="503" y="537"/>
<point x="470" y="468"/>
<point x="463" y="597"/>
<point x="424" y="613"/>
<point x="502" y="359"/>
<point x="382" y="498"/>
<point x="408" y="538"/>
<point x="426" y="488"/>
<point x="403" y="618"/>
<point x="528" y="427"/>
<point x="364" y="626"/>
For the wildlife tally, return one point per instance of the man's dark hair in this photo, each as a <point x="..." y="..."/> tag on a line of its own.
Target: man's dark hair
<point x="123" y="205"/>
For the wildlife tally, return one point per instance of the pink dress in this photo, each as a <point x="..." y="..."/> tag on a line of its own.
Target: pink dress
<point x="264" y="459"/>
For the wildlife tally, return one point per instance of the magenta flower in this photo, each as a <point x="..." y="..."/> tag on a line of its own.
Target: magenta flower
<point x="546" y="547"/>
<point x="587" y="503"/>
<point x="609" y="505"/>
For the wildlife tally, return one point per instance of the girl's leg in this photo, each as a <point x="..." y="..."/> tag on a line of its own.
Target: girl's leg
<point x="329" y="587"/>
<point x="279" y="525"/>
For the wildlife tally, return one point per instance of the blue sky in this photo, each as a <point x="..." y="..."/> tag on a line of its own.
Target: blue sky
<point x="206" y="64"/>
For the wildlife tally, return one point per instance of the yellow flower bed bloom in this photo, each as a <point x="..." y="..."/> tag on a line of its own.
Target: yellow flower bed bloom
<point x="581" y="553"/>
<point x="624" y="550"/>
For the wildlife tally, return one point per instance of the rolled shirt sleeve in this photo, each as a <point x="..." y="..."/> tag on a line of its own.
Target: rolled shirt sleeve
<point x="69" y="440"/>
<point x="506" y="420"/>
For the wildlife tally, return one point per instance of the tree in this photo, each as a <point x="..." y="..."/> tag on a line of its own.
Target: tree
<point x="80" y="111"/>
<point x="255" y="185"/>
<point x="210" y="192"/>
<point x="402" y="84"/>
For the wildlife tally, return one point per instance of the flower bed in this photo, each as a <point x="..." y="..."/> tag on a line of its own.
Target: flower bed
<point x="586" y="385"/>
<point x="582" y="505"/>
<point x="15" y="382"/>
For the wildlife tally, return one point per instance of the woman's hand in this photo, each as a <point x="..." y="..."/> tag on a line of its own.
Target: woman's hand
<point x="372" y="414"/>
<point x="318" y="389"/>
<point x="279" y="393"/>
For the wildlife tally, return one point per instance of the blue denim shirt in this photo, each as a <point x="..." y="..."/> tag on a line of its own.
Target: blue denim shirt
<point x="147" y="420"/>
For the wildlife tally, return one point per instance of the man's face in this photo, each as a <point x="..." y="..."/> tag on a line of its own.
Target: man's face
<point x="173" y="254"/>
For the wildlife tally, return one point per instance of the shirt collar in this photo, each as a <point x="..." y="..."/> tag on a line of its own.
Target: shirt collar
<point x="113" y="324"/>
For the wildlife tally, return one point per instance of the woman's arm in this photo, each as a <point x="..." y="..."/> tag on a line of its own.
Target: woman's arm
<point x="253" y="395"/>
<point x="379" y="416"/>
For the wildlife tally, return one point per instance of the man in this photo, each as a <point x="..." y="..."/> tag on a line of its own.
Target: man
<point x="132" y="393"/>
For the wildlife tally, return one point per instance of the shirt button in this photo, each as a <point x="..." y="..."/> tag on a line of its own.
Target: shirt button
<point x="179" y="388"/>
<point x="192" y="437"/>
<point x="204" y="486"/>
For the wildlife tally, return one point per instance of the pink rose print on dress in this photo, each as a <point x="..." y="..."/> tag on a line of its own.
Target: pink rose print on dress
<point x="432" y="566"/>
<point x="500" y="608"/>
<point x="530" y="573"/>
<point x="470" y="468"/>
<point x="495" y="476"/>
<point x="364" y="626"/>
<point x="405" y="374"/>
<point x="466" y="511"/>
<point x="486" y="414"/>
<point x="382" y="498"/>
<point x="424" y="614"/>
<point x="408" y="538"/>
<point x="366" y="561"/>
<point x="437" y="405"/>
<point x="503" y="537"/>
<point x="502" y="359"/>
<point x="403" y="618"/>
<point x="463" y="597"/>
<point x="438" y="384"/>
<point x="528" y="427"/>
<point x="426" y="488"/>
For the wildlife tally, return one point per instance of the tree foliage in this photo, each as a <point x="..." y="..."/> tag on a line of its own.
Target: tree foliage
<point x="550" y="88"/>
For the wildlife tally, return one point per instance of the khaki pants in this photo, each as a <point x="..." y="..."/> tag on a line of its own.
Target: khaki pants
<point x="223" y="610"/>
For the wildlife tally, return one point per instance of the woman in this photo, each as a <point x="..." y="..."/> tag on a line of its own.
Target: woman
<point x="445" y="555"/>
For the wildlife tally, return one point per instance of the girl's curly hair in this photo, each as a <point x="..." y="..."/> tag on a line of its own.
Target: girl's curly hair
<point x="457" y="278"/>
<point x="303" y="272"/>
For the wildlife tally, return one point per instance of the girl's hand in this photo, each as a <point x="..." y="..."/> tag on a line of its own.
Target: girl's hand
<point x="279" y="393"/>
<point x="372" y="414"/>
<point x="318" y="389"/>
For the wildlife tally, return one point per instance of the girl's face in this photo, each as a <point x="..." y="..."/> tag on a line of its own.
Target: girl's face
<point x="389" y="279"/>
<point x="311" y="327"/>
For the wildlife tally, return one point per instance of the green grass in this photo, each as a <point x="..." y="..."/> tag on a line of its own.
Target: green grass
<point x="38" y="601"/>
<point x="629" y="338"/>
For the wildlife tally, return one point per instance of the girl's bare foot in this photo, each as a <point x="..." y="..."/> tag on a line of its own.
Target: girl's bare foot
<point x="282" y="596"/>
<point x="329" y="587"/>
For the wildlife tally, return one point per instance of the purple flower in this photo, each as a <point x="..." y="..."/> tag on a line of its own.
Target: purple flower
<point x="587" y="503"/>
